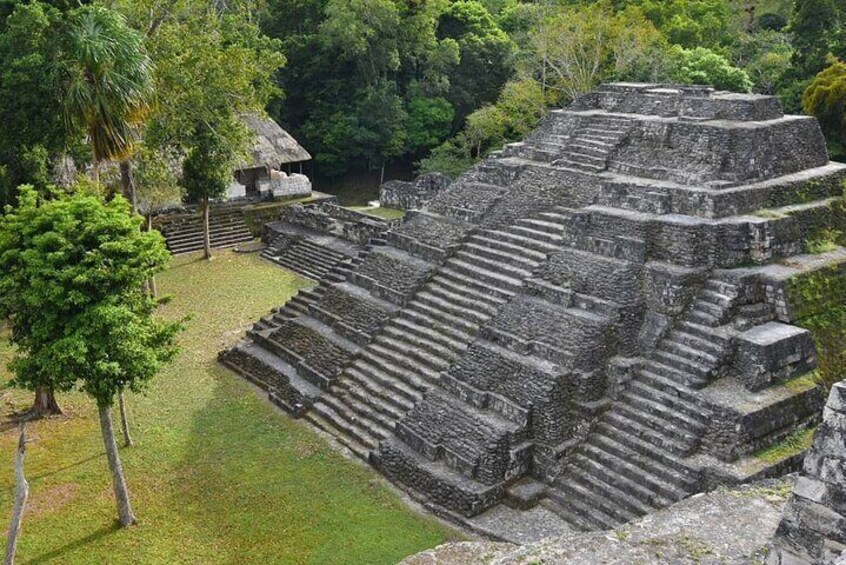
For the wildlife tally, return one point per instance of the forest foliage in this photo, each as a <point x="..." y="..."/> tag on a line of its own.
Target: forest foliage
<point x="435" y="83"/>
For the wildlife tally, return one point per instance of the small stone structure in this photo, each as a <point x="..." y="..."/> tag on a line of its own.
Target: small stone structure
<point x="590" y="325"/>
<point x="813" y="530"/>
<point x="404" y="195"/>
<point x="315" y="238"/>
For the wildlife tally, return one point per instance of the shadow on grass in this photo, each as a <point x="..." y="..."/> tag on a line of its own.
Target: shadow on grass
<point x="95" y="536"/>
<point x="71" y="466"/>
<point x="271" y="487"/>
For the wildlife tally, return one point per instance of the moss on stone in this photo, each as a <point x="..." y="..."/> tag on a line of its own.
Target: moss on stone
<point x="798" y="441"/>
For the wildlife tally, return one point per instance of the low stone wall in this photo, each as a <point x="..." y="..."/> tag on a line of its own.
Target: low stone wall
<point x="813" y="529"/>
<point x="404" y="195"/>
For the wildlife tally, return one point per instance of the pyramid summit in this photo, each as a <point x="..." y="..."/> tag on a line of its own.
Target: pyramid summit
<point x="591" y="324"/>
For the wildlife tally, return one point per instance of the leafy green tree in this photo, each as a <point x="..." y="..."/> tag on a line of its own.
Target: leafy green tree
<point x="33" y="132"/>
<point x="109" y="88"/>
<point x="817" y="29"/>
<point x="429" y="122"/>
<point x="486" y="54"/>
<point x="71" y="275"/>
<point x="689" y="23"/>
<point x="580" y="46"/>
<point x="703" y="66"/>
<point x="765" y="56"/>
<point x="207" y="169"/>
<point x="825" y="99"/>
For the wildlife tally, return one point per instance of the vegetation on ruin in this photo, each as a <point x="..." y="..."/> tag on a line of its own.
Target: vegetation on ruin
<point x="218" y="474"/>
<point x="797" y="442"/>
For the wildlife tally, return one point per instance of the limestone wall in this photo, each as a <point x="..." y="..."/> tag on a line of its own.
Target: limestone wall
<point x="813" y="529"/>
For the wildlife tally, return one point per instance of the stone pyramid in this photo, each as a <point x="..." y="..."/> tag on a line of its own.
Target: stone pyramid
<point x="596" y="320"/>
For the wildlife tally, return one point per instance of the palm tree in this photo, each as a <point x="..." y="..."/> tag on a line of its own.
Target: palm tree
<point x="109" y="85"/>
<point x="108" y="94"/>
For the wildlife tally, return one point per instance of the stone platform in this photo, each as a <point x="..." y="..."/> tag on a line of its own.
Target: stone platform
<point x="592" y="324"/>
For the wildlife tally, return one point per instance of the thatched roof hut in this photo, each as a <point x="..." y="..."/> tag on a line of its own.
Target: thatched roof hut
<point x="273" y="146"/>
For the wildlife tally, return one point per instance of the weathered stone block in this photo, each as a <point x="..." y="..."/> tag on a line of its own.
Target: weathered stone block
<point x="773" y="352"/>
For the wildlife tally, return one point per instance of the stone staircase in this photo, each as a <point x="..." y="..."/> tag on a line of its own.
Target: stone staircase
<point x="184" y="234"/>
<point x="305" y="257"/>
<point x="443" y="318"/>
<point x="591" y="146"/>
<point x="631" y="463"/>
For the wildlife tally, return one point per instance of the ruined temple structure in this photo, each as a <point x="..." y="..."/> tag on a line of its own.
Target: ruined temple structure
<point x="594" y="322"/>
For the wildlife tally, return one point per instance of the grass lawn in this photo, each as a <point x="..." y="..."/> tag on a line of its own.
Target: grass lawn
<point x="386" y="213"/>
<point x="217" y="475"/>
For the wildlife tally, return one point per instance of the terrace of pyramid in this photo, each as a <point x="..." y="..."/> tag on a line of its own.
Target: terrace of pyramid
<point x="595" y="321"/>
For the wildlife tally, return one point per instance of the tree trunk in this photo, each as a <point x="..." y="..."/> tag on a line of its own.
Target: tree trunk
<point x="127" y="183"/>
<point x="124" y="420"/>
<point x="21" y="493"/>
<point x="206" y="234"/>
<point x="45" y="404"/>
<point x="151" y="283"/>
<point x="127" y="518"/>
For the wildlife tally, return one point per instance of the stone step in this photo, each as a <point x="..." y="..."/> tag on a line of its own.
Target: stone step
<point x="444" y="318"/>
<point x="602" y="143"/>
<point x="433" y="343"/>
<point x="716" y="298"/>
<point x="411" y="321"/>
<point x="472" y="271"/>
<point x="683" y="350"/>
<point x="316" y="419"/>
<point x="381" y="421"/>
<point x="655" y="377"/>
<point x="683" y="364"/>
<point x="522" y="241"/>
<point x="508" y="249"/>
<point x="381" y="398"/>
<point x="673" y="484"/>
<point x="595" y="506"/>
<point x="578" y="512"/>
<point x="596" y="150"/>
<point x="410" y="356"/>
<point x="575" y="165"/>
<point x="631" y="498"/>
<point x="297" y="268"/>
<point x="535" y="235"/>
<point x="541" y="225"/>
<point x="492" y="266"/>
<point x="311" y="263"/>
<point x="640" y="430"/>
<point x="215" y="234"/>
<point x="635" y="443"/>
<point x="313" y="256"/>
<point x="722" y="287"/>
<point x="512" y="257"/>
<point x="215" y="243"/>
<point x="662" y="394"/>
<point x="471" y="300"/>
<point x="453" y="308"/>
<point x="660" y="422"/>
<point x="342" y="428"/>
<point x="697" y="342"/>
<point x="678" y="377"/>
<point x="707" y="333"/>
<point x="585" y="158"/>
<point x="420" y="355"/>
<point x="370" y="376"/>
<point x="713" y="310"/>
<point x="472" y="290"/>
<point x="460" y="280"/>
<point x="401" y="367"/>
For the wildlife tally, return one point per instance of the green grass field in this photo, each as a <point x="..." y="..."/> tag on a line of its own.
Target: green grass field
<point x="218" y="475"/>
